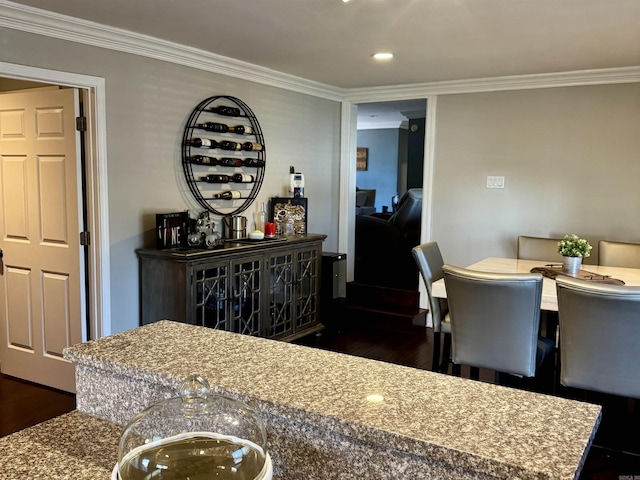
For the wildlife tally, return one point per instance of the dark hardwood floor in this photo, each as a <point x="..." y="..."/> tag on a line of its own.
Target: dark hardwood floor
<point x="24" y="404"/>
<point x="379" y="336"/>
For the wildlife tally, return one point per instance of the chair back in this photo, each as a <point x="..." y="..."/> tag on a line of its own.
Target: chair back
<point x="408" y="216"/>
<point x="429" y="260"/>
<point x="599" y="331"/>
<point x="618" y="254"/>
<point x="495" y="319"/>
<point x="537" y="248"/>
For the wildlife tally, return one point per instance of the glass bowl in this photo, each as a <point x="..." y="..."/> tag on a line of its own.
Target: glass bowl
<point x="197" y="436"/>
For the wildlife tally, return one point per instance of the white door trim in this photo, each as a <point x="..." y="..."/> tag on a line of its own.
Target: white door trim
<point x="347" y="203"/>
<point x="97" y="195"/>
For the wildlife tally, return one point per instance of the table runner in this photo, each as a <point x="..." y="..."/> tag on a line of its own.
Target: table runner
<point x="552" y="271"/>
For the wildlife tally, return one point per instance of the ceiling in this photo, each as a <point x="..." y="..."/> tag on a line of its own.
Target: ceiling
<point x="331" y="42"/>
<point x="390" y="114"/>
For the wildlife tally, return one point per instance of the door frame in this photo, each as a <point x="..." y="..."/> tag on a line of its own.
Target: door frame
<point x="98" y="266"/>
<point x="348" y="141"/>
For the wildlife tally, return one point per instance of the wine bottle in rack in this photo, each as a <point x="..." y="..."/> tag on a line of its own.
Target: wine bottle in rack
<point x="229" y="145"/>
<point x="252" y="146"/>
<point x="213" y="127"/>
<point x="243" y="178"/>
<point x="216" y="178"/>
<point x="203" y="142"/>
<point x="203" y="160"/>
<point x="253" y="162"/>
<point x="241" y="129"/>
<point x="228" y="195"/>
<point x="230" y="162"/>
<point x="226" y="110"/>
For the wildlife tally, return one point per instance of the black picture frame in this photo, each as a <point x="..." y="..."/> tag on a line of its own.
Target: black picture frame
<point x="289" y="211"/>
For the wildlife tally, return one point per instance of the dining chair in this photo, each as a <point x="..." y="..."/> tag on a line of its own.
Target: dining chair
<point x="429" y="260"/>
<point x="495" y="318"/>
<point x="618" y="254"/>
<point x="599" y="331"/>
<point x="538" y="248"/>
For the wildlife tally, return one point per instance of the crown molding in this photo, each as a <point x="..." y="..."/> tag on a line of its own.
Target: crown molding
<point x="49" y="24"/>
<point x="373" y="125"/>
<point x="41" y="22"/>
<point x="495" y="84"/>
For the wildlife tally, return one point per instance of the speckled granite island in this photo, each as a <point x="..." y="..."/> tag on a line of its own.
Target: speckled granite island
<point x="335" y="416"/>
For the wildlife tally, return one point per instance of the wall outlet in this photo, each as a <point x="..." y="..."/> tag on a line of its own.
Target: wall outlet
<point x="495" y="181"/>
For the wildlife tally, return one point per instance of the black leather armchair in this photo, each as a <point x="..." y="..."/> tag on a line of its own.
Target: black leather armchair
<point x="383" y="247"/>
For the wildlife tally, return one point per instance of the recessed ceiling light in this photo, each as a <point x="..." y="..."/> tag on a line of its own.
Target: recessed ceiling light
<point x="382" y="56"/>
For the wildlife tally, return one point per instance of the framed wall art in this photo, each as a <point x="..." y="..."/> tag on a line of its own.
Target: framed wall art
<point x="289" y="215"/>
<point x="362" y="156"/>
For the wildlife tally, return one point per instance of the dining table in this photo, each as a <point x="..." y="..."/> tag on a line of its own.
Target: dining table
<point x="630" y="276"/>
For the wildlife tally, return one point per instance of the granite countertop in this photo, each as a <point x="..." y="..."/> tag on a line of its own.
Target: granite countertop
<point x="495" y="430"/>
<point x="74" y="446"/>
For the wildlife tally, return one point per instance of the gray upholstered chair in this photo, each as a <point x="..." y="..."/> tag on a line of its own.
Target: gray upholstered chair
<point x="618" y="254"/>
<point x="537" y="248"/>
<point x="599" y="331"/>
<point x="429" y="260"/>
<point x="495" y="318"/>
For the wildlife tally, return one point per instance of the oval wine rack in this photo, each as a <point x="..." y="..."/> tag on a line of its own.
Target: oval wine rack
<point x="223" y="139"/>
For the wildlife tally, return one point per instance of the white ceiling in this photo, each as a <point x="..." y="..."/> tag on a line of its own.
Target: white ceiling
<point x="330" y="42"/>
<point x="390" y="114"/>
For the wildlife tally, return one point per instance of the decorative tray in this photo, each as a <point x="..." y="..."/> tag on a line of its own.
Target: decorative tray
<point x="552" y="271"/>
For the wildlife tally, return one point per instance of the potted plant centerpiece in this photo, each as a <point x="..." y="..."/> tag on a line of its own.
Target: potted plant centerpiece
<point x="573" y="249"/>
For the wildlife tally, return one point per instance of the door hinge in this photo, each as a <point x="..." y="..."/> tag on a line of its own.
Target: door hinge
<point x="81" y="124"/>
<point x="85" y="238"/>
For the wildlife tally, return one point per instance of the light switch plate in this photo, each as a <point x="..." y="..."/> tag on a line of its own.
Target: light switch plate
<point x="494" y="181"/>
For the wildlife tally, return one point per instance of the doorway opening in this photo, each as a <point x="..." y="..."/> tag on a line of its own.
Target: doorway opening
<point x="388" y="211"/>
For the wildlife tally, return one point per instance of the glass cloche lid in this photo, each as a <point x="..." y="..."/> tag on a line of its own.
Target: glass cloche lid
<point x="196" y="436"/>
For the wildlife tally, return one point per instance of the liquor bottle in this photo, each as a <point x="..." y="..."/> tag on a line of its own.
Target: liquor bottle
<point x="203" y="160"/>
<point x="249" y="146"/>
<point x="230" y="162"/>
<point x="259" y="218"/>
<point x="243" y="178"/>
<point x="226" y="110"/>
<point x="228" y="195"/>
<point x="216" y="178"/>
<point x="214" y="127"/>
<point x="228" y="145"/>
<point x="241" y="129"/>
<point x="253" y="162"/>
<point x="203" y="143"/>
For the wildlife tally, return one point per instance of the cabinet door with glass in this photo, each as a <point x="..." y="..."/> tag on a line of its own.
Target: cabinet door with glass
<point x="306" y="291"/>
<point x="280" y="306"/>
<point x="211" y="291"/>
<point x="246" y="295"/>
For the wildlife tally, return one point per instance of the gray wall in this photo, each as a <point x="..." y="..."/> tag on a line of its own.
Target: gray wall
<point x="382" y="172"/>
<point x="148" y="103"/>
<point x="571" y="161"/>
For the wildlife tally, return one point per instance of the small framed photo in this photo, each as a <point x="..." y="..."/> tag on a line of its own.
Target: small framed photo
<point x="362" y="155"/>
<point x="289" y="215"/>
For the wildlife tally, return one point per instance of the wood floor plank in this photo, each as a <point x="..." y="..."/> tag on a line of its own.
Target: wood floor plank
<point x="24" y="404"/>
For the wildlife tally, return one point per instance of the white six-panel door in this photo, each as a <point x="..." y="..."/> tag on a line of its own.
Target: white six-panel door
<point x="41" y="293"/>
